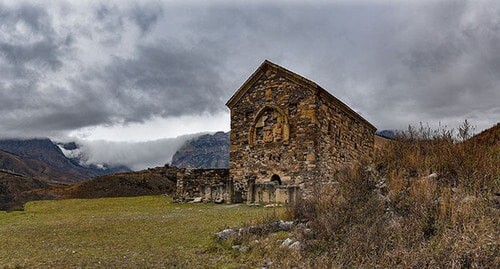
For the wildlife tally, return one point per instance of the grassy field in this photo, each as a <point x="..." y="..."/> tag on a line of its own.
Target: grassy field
<point x="120" y="232"/>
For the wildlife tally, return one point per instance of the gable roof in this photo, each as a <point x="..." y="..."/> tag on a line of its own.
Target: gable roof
<point x="267" y="65"/>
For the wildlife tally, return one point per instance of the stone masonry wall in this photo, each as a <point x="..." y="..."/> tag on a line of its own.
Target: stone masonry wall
<point x="210" y="184"/>
<point x="282" y="126"/>
<point x="273" y="132"/>
<point x="344" y="139"/>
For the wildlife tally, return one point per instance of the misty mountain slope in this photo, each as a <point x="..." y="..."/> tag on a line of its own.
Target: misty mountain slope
<point x="136" y="155"/>
<point x="15" y="164"/>
<point x="30" y="167"/>
<point x="206" y="151"/>
<point x="43" y="159"/>
<point x="73" y="151"/>
<point x="38" y="149"/>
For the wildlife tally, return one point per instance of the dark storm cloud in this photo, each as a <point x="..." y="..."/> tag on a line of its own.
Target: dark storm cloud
<point x="44" y="52"/>
<point x="161" y="80"/>
<point x="38" y="96"/>
<point x="395" y="63"/>
<point x="40" y="53"/>
<point x="64" y="68"/>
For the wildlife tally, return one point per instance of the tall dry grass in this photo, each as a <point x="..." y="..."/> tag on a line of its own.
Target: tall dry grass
<point x="428" y="200"/>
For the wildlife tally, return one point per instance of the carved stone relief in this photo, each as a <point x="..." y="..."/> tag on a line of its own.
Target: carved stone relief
<point x="270" y="125"/>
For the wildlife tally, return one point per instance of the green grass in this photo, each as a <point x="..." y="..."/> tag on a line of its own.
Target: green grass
<point x="119" y="232"/>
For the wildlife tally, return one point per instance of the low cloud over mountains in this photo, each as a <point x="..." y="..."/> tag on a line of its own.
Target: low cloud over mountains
<point x="135" y="155"/>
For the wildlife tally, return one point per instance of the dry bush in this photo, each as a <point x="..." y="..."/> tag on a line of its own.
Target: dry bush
<point x="430" y="199"/>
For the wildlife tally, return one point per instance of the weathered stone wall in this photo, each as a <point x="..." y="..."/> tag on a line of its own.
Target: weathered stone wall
<point x="343" y="139"/>
<point x="268" y="192"/>
<point x="286" y="126"/>
<point x="273" y="132"/>
<point x="214" y="185"/>
<point x="210" y="184"/>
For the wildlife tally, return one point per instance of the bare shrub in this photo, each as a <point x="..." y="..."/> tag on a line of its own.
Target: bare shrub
<point x="427" y="200"/>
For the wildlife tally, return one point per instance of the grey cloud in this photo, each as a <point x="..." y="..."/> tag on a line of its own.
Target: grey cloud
<point x="38" y="21"/>
<point x="113" y="17"/>
<point x="136" y="155"/>
<point x="111" y="24"/>
<point x="33" y="15"/>
<point x="146" y="16"/>
<point x="395" y="63"/>
<point x="43" y="53"/>
<point x="161" y="80"/>
<point x="432" y="61"/>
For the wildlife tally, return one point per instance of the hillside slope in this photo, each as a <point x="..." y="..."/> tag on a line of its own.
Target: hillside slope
<point x="16" y="189"/>
<point x="152" y="181"/>
<point x="43" y="159"/>
<point x="13" y="185"/>
<point x="29" y="167"/>
<point x="489" y="137"/>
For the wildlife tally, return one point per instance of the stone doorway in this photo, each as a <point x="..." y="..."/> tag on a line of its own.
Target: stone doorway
<point x="276" y="179"/>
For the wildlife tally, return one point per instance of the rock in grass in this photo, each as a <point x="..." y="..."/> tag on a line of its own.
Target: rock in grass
<point x="226" y="234"/>
<point x="241" y="248"/>
<point x="433" y="176"/>
<point x="287" y="242"/>
<point x="285" y="225"/>
<point x="296" y="245"/>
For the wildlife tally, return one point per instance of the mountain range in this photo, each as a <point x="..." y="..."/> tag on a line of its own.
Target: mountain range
<point x="38" y="169"/>
<point x="43" y="159"/>
<point x="206" y="151"/>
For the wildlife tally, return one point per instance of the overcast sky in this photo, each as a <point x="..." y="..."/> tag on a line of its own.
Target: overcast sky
<point x="147" y="70"/>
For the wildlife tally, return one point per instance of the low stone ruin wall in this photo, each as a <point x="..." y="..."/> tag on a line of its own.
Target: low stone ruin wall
<point x="208" y="184"/>
<point x="269" y="192"/>
<point x="214" y="185"/>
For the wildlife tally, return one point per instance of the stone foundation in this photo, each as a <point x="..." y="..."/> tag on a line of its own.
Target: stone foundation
<point x="270" y="193"/>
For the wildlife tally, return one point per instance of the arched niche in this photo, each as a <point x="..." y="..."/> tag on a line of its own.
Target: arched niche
<point x="270" y="125"/>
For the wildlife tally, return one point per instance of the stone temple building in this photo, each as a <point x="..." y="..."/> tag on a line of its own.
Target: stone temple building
<point x="288" y="133"/>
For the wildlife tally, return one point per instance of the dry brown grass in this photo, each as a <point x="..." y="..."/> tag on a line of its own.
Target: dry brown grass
<point x="388" y="212"/>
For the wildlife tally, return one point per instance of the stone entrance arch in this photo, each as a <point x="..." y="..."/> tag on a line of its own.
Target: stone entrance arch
<point x="276" y="179"/>
<point x="270" y="125"/>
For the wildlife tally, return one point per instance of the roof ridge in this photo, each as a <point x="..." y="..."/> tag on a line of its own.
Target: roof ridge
<point x="266" y="64"/>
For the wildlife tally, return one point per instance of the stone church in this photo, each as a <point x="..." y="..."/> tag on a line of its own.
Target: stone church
<point x="288" y="133"/>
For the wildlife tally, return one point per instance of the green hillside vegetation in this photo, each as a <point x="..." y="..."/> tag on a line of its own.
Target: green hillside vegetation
<point x="134" y="232"/>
